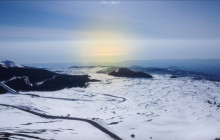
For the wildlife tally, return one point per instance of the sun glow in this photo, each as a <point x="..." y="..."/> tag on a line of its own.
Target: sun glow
<point x="105" y="46"/>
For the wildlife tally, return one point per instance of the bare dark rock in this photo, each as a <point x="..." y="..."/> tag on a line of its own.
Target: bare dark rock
<point x="132" y="135"/>
<point x="27" y="124"/>
<point x="209" y="102"/>
<point x="149" y="120"/>
<point x="95" y="80"/>
<point x="173" y="76"/>
<point x="112" y="123"/>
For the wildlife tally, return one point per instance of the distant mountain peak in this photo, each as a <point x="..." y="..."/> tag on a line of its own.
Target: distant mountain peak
<point x="8" y="63"/>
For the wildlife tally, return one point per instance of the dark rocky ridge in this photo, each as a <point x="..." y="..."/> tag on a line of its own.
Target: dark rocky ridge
<point x="36" y="79"/>
<point x="2" y="90"/>
<point x="58" y="83"/>
<point x="124" y="72"/>
<point x="34" y="74"/>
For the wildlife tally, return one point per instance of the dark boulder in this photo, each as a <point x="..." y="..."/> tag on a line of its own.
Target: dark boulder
<point x="124" y="72"/>
<point x="132" y="135"/>
<point x="209" y="102"/>
<point x="173" y="76"/>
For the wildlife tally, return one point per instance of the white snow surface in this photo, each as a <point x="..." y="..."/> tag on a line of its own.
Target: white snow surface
<point x="160" y="108"/>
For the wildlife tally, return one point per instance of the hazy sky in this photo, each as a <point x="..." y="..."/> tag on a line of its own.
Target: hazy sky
<point x="85" y="31"/>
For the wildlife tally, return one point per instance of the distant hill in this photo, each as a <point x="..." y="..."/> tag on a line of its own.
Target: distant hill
<point x="125" y="72"/>
<point x="207" y="66"/>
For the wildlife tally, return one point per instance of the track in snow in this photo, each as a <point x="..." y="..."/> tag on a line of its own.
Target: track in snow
<point x="98" y="126"/>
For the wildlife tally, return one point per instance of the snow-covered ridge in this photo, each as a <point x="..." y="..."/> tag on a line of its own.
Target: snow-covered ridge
<point x="8" y="64"/>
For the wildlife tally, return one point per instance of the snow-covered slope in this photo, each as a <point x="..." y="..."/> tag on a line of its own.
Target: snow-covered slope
<point x="134" y="109"/>
<point x="8" y="64"/>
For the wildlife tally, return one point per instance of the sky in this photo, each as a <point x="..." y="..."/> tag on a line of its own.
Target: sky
<point x="108" y="31"/>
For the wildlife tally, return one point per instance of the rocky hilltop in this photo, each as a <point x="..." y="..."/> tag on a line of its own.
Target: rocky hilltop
<point x="124" y="72"/>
